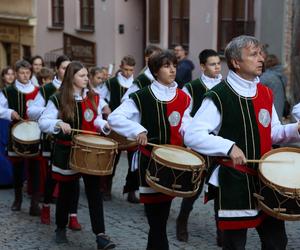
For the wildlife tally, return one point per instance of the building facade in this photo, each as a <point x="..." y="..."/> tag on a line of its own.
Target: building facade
<point x="17" y="30"/>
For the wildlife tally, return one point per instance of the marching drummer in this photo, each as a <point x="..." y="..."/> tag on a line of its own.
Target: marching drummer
<point x="75" y="106"/>
<point x="210" y="64"/>
<point x="35" y="110"/>
<point x="14" y="101"/>
<point x="237" y="120"/>
<point x="158" y="113"/>
<point x="115" y="89"/>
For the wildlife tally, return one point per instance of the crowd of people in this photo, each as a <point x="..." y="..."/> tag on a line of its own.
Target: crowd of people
<point x="226" y="119"/>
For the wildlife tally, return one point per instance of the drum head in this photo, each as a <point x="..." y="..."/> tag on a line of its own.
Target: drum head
<point x="178" y="155"/>
<point x="95" y="140"/>
<point x="27" y="131"/>
<point x="284" y="173"/>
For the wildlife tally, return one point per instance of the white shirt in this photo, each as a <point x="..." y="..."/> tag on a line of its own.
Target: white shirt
<point x="123" y="81"/>
<point x="5" y="112"/>
<point x="38" y="105"/>
<point x="125" y="120"/>
<point x="49" y="117"/>
<point x="208" y="82"/>
<point x="135" y="87"/>
<point x="103" y="103"/>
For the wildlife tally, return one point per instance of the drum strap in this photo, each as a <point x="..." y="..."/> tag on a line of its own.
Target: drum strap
<point x="145" y="151"/>
<point x="241" y="168"/>
<point x="63" y="142"/>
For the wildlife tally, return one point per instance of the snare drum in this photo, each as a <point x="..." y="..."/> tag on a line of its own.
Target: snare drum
<point x="175" y="171"/>
<point x="123" y="142"/>
<point x="94" y="155"/>
<point x="26" y="138"/>
<point x="279" y="190"/>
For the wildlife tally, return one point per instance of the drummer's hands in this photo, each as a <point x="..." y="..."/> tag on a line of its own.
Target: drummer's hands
<point x="65" y="127"/>
<point x="15" y="116"/>
<point x="106" y="110"/>
<point x="142" y="139"/>
<point x="237" y="156"/>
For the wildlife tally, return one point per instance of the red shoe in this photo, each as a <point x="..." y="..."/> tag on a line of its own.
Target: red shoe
<point x="45" y="215"/>
<point x="73" y="223"/>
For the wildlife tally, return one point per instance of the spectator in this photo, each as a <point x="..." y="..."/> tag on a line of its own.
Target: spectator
<point x="274" y="78"/>
<point x="184" y="66"/>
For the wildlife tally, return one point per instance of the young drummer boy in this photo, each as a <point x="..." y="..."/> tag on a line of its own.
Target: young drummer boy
<point x="14" y="101"/>
<point x="116" y="88"/>
<point x="158" y="113"/>
<point x="210" y="65"/>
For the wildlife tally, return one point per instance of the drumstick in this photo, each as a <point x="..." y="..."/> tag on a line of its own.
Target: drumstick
<point x="267" y="161"/>
<point x="85" y="131"/>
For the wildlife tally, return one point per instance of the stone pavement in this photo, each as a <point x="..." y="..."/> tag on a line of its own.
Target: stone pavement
<point x="125" y="223"/>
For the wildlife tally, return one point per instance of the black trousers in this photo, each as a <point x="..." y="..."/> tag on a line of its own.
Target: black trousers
<point x="49" y="185"/>
<point x="157" y="216"/>
<point x="188" y="203"/>
<point x="271" y="232"/>
<point x="132" y="178"/>
<point x="33" y="171"/>
<point x="94" y="197"/>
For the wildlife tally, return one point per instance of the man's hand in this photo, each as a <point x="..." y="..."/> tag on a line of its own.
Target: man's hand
<point x="15" y="116"/>
<point x="142" y="139"/>
<point x="65" y="127"/>
<point x="237" y="156"/>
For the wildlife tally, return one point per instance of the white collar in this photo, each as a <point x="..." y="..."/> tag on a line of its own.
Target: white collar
<point x="34" y="81"/>
<point x="24" y="88"/>
<point x="79" y="97"/>
<point x="124" y="82"/>
<point x="56" y="82"/>
<point x="148" y="74"/>
<point x="211" y="82"/>
<point x="242" y="86"/>
<point x="163" y="92"/>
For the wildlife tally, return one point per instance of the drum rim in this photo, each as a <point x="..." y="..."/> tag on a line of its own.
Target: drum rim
<point x="159" y="188"/>
<point x="78" y="142"/>
<point x="268" y="182"/>
<point x="178" y="166"/>
<point x="278" y="215"/>
<point x="21" y="141"/>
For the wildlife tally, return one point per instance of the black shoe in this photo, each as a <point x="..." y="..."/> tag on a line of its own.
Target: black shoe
<point x="60" y="236"/>
<point x="132" y="198"/>
<point x="104" y="242"/>
<point x="16" y="206"/>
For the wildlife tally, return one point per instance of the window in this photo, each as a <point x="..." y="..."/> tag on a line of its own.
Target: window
<point x="87" y="14"/>
<point x="154" y="21"/>
<point x="235" y="18"/>
<point x="179" y="22"/>
<point x="57" y="13"/>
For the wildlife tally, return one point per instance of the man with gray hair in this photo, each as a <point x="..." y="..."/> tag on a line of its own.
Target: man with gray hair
<point x="237" y="121"/>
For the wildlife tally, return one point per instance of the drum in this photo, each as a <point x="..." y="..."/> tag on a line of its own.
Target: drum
<point x="279" y="183"/>
<point x="94" y="155"/>
<point x="26" y="137"/>
<point x="175" y="171"/>
<point x="123" y="142"/>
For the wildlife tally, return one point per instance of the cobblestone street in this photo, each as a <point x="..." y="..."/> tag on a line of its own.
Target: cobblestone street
<point x="125" y="223"/>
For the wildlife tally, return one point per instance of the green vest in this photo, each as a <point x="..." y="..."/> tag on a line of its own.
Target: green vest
<point x="116" y="92"/>
<point x="47" y="90"/>
<point x="142" y="81"/>
<point x="196" y="89"/>
<point x="239" y="124"/>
